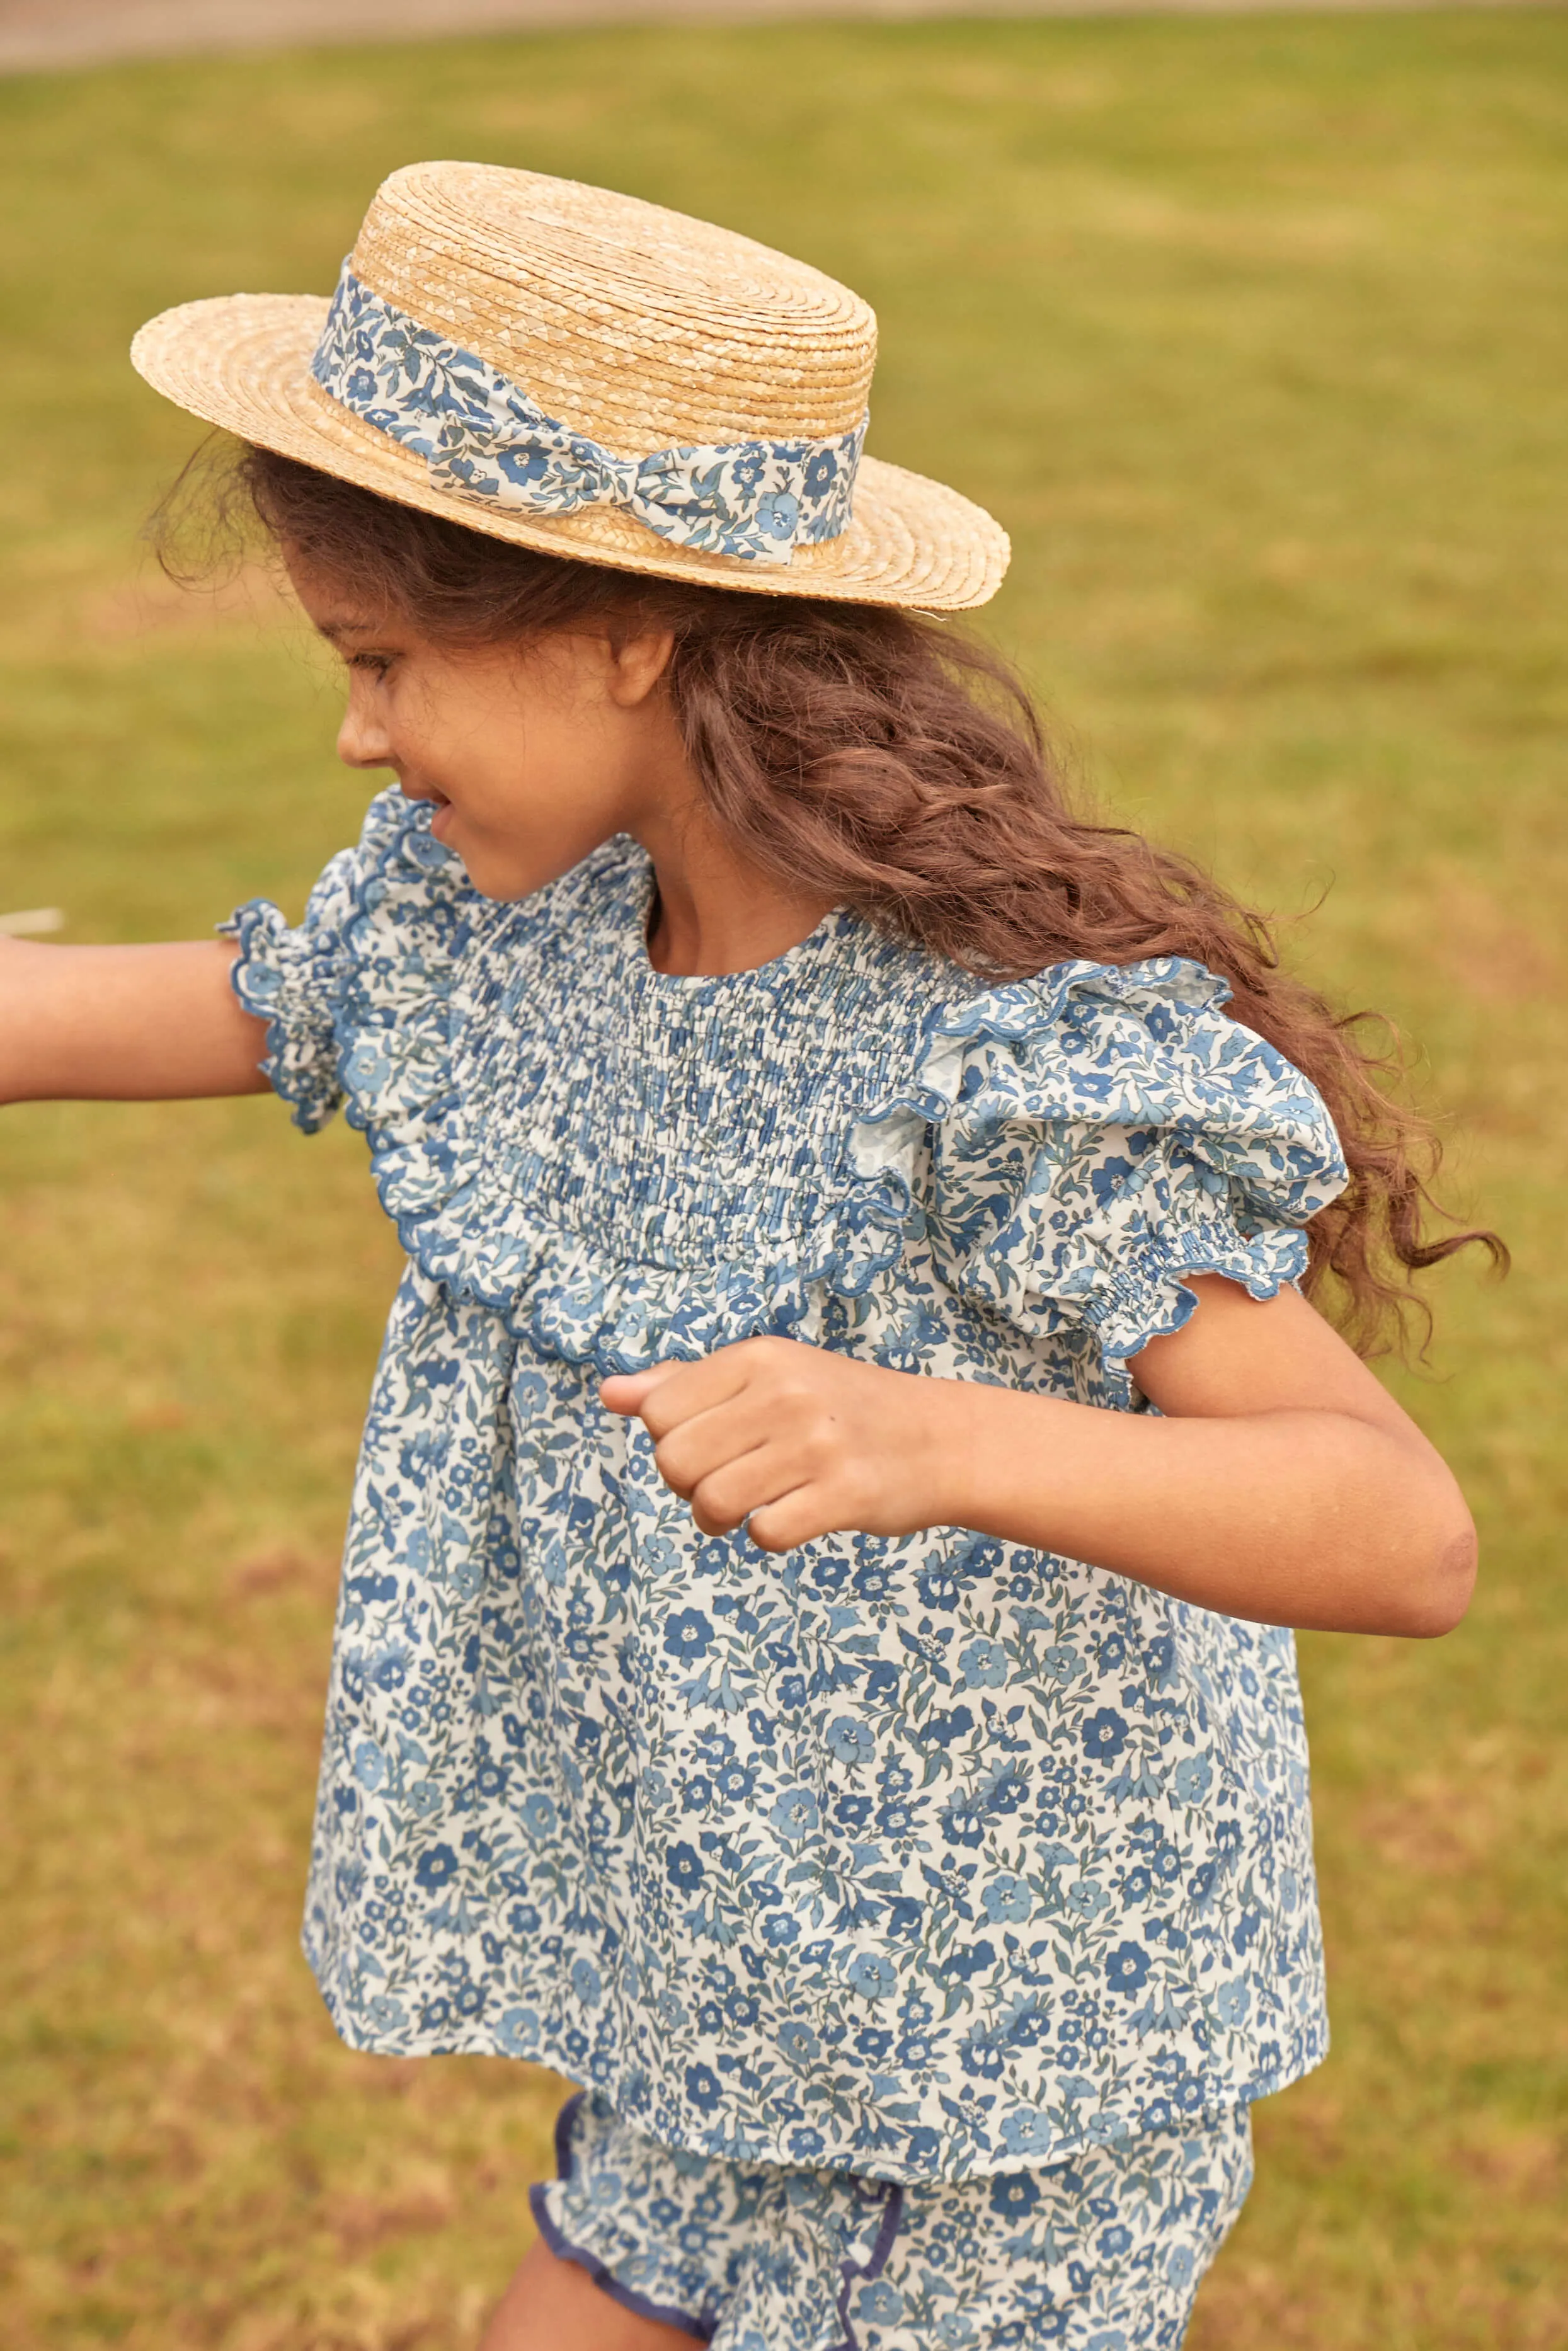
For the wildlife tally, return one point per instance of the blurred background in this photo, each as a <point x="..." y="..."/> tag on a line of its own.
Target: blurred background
<point x="1252" y="329"/>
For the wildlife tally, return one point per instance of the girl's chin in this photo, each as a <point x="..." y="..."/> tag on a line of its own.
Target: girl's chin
<point x="497" y="876"/>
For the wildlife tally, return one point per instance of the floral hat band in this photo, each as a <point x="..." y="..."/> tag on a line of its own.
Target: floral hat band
<point x="483" y="437"/>
<point x="593" y="377"/>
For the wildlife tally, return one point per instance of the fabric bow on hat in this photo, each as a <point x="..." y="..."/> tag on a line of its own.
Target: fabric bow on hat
<point x="483" y="437"/>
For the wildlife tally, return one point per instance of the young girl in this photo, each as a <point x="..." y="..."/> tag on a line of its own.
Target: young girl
<point x="851" y="1434"/>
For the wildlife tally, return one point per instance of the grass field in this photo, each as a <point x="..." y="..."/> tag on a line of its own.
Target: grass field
<point x="1254" y="333"/>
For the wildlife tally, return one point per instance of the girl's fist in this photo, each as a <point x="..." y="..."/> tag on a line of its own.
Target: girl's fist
<point x="797" y="1442"/>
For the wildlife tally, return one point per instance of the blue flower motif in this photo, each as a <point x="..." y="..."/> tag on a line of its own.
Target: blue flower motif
<point x="540" y="1816"/>
<point x="777" y="512"/>
<point x="983" y="2056"/>
<point x="1014" y="2194"/>
<point x="984" y="1665"/>
<point x="702" y="2088"/>
<point x="795" y="1814"/>
<point x="688" y="1635"/>
<point x="437" y="1866"/>
<point x="1231" y="2001"/>
<point x="586" y="1983"/>
<point x="1104" y="1735"/>
<point x="940" y="1587"/>
<point x="1027" y="2133"/>
<point x="1127" y="1968"/>
<point x="850" y="1742"/>
<point x="1007" y="1898"/>
<point x="683" y="1868"/>
<point x="870" y="1973"/>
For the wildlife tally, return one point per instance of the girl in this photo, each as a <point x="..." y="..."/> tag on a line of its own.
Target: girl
<point x="810" y="1664"/>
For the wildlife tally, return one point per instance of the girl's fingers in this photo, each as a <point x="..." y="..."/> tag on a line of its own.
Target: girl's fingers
<point x="730" y="1497"/>
<point x="793" y="1517"/>
<point x="696" y="1448"/>
<point x="625" y="1390"/>
<point x="667" y="1394"/>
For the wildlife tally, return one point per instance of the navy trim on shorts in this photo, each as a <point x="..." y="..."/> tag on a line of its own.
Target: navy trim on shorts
<point x="891" y="2215"/>
<point x="604" y="2278"/>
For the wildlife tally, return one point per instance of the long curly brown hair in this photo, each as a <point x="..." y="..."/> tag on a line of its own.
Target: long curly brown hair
<point x="884" y="761"/>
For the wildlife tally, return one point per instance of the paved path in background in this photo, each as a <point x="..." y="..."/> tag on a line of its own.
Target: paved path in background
<point x="42" y="32"/>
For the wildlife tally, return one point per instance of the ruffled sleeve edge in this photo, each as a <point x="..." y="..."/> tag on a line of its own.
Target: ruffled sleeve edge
<point x="300" y="1063"/>
<point x="1117" y="1303"/>
<point x="1149" y="1299"/>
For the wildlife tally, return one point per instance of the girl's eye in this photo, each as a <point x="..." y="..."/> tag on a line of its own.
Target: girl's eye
<point x="375" y="665"/>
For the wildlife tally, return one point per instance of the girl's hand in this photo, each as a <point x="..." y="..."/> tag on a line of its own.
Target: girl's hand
<point x="798" y="1442"/>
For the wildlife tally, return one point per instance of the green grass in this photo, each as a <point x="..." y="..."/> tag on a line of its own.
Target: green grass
<point x="1254" y="333"/>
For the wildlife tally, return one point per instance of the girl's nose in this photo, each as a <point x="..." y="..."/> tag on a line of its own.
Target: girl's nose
<point x="362" y="740"/>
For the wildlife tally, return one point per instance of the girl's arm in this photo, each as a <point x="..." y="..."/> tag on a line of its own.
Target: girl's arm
<point x="1282" y="1482"/>
<point x="124" y="1024"/>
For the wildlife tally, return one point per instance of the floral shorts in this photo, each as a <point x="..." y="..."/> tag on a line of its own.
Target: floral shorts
<point x="1102" y="2253"/>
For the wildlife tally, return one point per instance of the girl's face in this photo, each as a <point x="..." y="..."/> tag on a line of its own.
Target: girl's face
<point x="533" y="756"/>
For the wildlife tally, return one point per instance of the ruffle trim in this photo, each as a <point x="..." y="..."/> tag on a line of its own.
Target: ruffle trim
<point x="574" y="2240"/>
<point x="1011" y="1081"/>
<point x="555" y="1287"/>
<point x="1141" y="1046"/>
<point x="287" y="979"/>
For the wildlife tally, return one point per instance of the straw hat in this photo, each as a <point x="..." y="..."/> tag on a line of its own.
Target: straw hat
<point x="578" y="371"/>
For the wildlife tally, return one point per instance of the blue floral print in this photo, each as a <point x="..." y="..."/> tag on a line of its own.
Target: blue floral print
<point x="484" y="437"/>
<point x="928" y="1858"/>
<point x="1102" y="2253"/>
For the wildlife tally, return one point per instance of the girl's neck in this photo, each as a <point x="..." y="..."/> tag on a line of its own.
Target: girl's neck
<point x="714" y="911"/>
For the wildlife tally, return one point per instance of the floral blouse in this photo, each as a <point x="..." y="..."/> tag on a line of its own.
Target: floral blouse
<point x="922" y="1857"/>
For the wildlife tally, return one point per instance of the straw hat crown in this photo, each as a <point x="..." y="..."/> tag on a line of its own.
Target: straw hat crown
<point x="635" y="325"/>
<point x="579" y="372"/>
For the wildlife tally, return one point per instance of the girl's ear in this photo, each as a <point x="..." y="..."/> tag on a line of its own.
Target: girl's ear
<point x="638" y="660"/>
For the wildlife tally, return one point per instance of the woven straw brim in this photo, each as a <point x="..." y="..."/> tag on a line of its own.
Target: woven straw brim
<point x="242" y="362"/>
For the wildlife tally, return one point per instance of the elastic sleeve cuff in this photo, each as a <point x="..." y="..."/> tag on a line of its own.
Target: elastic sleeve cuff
<point x="1145" y="1296"/>
<point x="287" y="977"/>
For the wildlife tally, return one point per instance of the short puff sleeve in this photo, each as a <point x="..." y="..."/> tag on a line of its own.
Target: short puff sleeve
<point x="318" y="986"/>
<point x="1103" y="1133"/>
